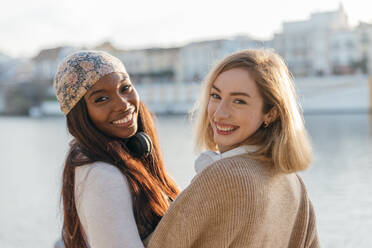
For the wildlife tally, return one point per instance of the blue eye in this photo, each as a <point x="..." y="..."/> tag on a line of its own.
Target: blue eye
<point x="240" y="101"/>
<point x="214" y="95"/>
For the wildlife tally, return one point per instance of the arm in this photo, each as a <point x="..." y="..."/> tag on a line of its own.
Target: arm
<point x="104" y="206"/>
<point x="312" y="240"/>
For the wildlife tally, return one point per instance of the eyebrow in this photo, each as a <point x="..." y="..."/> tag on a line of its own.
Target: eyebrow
<point x="95" y="92"/>
<point x="233" y="93"/>
<point x="125" y="78"/>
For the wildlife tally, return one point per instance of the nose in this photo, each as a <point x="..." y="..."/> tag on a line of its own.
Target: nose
<point x="120" y="103"/>
<point x="222" y="111"/>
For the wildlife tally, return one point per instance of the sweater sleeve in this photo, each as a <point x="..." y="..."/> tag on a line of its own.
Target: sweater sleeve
<point x="104" y="207"/>
<point x="312" y="240"/>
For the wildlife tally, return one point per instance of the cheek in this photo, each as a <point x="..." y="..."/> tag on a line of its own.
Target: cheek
<point x="251" y="119"/>
<point x="211" y="108"/>
<point x="96" y="115"/>
<point x="135" y="98"/>
<point x="210" y="111"/>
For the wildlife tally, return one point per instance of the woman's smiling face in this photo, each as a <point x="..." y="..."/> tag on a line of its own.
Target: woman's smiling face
<point x="113" y="105"/>
<point x="235" y="108"/>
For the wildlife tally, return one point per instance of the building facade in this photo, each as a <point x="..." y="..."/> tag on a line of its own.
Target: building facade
<point x="306" y="45"/>
<point x="364" y="47"/>
<point x="154" y="65"/>
<point x="343" y="52"/>
<point x="198" y="58"/>
<point x="45" y="64"/>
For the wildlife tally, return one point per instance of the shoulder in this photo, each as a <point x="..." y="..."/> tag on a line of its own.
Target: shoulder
<point x="238" y="167"/>
<point x="233" y="176"/>
<point x="301" y="185"/>
<point x="100" y="176"/>
<point x="239" y="178"/>
<point x="98" y="169"/>
<point x="100" y="186"/>
<point x="227" y="184"/>
<point x="104" y="205"/>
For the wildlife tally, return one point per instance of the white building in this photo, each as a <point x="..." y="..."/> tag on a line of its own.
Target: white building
<point x="294" y="44"/>
<point x="7" y="68"/>
<point x="46" y="62"/>
<point x="154" y="65"/>
<point x="306" y="45"/>
<point x="343" y="51"/>
<point x="197" y="58"/>
<point x="162" y="64"/>
<point x="134" y="60"/>
<point x="24" y="71"/>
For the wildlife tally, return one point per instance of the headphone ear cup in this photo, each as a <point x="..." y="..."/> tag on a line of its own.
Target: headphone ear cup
<point x="146" y="143"/>
<point x="140" y="144"/>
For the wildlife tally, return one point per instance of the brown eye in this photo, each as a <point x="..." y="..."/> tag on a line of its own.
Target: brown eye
<point x="125" y="88"/>
<point x="101" y="99"/>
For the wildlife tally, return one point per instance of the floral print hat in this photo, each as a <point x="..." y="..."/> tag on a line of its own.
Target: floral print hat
<point x="79" y="72"/>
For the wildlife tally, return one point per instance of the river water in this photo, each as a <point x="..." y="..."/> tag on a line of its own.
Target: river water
<point x="32" y="152"/>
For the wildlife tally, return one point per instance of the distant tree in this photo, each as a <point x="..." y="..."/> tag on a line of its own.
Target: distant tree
<point x="20" y="98"/>
<point x="361" y="65"/>
<point x="16" y="103"/>
<point x="364" y="64"/>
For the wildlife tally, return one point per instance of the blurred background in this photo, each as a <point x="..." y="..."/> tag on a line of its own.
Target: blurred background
<point x="168" y="47"/>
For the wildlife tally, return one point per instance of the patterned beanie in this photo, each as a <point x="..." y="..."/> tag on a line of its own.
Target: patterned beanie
<point x="79" y="72"/>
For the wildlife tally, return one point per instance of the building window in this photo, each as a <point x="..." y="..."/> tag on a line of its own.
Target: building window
<point x="335" y="45"/>
<point x="365" y="39"/>
<point x="350" y="44"/>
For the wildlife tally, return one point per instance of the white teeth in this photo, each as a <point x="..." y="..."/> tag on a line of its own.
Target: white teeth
<point x="124" y="120"/>
<point x="225" y="129"/>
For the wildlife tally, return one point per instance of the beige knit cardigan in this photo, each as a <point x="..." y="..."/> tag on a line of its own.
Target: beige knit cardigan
<point x="239" y="202"/>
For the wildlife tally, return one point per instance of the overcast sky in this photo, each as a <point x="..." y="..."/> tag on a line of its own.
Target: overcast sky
<point x="27" y="26"/>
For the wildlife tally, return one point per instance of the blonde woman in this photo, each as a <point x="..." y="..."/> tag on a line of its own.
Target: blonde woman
<point x="246" y="192"/>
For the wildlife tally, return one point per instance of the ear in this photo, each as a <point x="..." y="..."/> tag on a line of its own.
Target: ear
<point x="271" y="116"/>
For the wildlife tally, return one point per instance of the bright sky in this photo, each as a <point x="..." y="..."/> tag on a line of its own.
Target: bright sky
<point x="27" y="26"/>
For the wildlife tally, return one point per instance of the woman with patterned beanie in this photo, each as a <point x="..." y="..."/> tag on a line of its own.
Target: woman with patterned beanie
<point x="115" y="189"/>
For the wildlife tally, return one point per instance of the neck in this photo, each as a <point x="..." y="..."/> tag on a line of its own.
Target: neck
<point x="222" y="148"/>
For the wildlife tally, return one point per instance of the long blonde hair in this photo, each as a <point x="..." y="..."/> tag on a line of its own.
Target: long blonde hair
<point x="285" y="141"/>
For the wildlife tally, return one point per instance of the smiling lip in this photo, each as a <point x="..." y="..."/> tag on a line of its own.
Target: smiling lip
<point x="125" y="121"/>
<point x="225" y="129"/>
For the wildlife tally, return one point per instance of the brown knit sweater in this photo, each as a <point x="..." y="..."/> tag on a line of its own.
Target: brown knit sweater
<point x="239" y="202"/>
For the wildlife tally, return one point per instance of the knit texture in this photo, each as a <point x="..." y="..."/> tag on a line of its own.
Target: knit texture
<point x="239" y="202"/>
<point x="79" y="72"/>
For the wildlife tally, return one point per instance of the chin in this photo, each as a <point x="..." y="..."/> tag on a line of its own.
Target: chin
<point x="128" y="135"/>
<point x="225" y="144"/>
<point x="228" y="143"/>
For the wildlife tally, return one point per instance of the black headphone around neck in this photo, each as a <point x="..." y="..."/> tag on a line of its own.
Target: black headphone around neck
<point x="139" y="145"/>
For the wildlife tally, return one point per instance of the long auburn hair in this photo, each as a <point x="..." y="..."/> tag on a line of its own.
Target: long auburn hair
<point x="148" y="180"/>
<point x="285" y="142"/>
